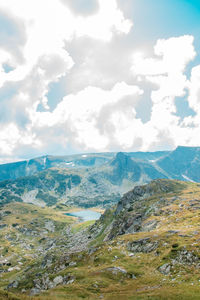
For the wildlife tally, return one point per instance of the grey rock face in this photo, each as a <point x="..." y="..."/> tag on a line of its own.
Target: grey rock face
<point x="35" y="291"/>
<point x="187" y="257"/>
<point x="45" y="283"/>
<point x="143" y="245"/>
<point x="13" y="284"/>
<point x="165" y="269"/>
<point x="58" y="280"/>
<point x="49" y="225"/>
<point x="116" y="270"/>
<point x="150" y="225"/>
<point x="72" y="264"/>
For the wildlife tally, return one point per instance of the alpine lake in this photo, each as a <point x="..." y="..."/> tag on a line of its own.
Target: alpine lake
<point x="85" y="215"/>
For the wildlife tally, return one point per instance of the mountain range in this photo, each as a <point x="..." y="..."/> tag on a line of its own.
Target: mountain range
<point x="90" y="180"/>
<point x="145" y="245"/>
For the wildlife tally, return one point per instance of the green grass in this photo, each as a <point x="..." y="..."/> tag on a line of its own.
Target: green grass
<point x="92" y="277"/>
<point x="80" y="226"/>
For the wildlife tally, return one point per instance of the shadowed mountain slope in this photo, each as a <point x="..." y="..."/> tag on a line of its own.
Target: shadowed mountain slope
<point x="94" y="179"/>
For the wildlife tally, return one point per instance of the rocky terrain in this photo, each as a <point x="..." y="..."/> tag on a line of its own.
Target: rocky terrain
<point x="93" y="179"/>
<point x="145" y="247"/>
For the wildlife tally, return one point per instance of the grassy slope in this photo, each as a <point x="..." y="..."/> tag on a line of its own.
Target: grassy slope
<point x="93" y="280"/>
<point x="19" y="248"/>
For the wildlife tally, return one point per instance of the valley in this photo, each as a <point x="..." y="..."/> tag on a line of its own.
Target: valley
<point x="93" y="180"/>
<point x="101" y="226"/>
<point x="144" y="247"/>
<point x="84" y="215"/>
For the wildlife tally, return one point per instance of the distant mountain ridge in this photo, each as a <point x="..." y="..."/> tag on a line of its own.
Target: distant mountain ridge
<point x="32" y="166"/>
<point x="29" y="167"/>
<point x="93" y="179"/>
<point x="183" y="163"/>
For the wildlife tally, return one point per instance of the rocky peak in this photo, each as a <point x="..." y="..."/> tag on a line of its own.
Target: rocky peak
<point x="122" y="160"/>
<point x="124" y="167"/>
<point x="155" y="187"/>
<point x="186" y="152"/>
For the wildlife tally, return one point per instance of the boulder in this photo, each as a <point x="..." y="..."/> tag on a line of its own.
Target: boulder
<point x="58" y="280"/>
<point x="143" y="245"/>
<point x="116" y="270"/>
<point x="34" y="291"/>
<point x="165" y="269"/>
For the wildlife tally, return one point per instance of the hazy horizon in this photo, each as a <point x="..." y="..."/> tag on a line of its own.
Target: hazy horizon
<point x="84" y="154"/>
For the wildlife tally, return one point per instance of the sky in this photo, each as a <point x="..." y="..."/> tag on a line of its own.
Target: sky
<point x="79" y="76"/>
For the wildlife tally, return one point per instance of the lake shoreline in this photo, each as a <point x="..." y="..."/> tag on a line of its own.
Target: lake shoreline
<point x="76" y="209"/>
<point x="84" y="215"/>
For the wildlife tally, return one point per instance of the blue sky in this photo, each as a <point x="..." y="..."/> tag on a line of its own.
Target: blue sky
<point x="155" y="19"/>
<point x="161" y="18"/>
<point x="117" y="75"/>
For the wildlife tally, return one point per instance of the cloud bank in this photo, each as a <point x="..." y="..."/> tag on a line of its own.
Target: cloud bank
<point x="106" y="95"/>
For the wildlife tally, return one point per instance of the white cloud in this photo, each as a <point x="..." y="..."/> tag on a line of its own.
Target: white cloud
<point x="190" y="124"/>
<point x="194" y="89"/>
<point x="91" y="52"/>
<point x="83" y="117"/>
<point x="50" y="23"/>
<point x="166" y="71"/>
<point x="43" y="29"/>
<point x="172" y="56"/>
<point x="101" y="25"/>
<point x="46" y="27"/>
<point x="10" y="136"/>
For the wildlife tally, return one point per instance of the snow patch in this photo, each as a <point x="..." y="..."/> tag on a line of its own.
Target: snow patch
<point x="30" y="197"/>
<point x="187" y="178"/>
<point x="70" y="164"/>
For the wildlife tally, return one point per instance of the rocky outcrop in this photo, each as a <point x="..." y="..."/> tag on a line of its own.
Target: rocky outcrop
<point x="136" y="207"/>
<point x="186" y="257"/>
<point x="45" y="283"/>
<point x="143" y="245"/>
<point x="165" y="269"/>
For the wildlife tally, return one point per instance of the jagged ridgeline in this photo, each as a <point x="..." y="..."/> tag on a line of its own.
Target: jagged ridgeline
<point x="145" y="247"/>
<point x="92" y="179"/>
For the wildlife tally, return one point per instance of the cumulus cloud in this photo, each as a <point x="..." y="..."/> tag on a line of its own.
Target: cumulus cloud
<point x="82" y="7"/>
<point x="12" y="38"/>
<point x="113" y="98"/>
<point x="99" y="63"/>
<point x="89" y="118"/>
<point x="172" y="56"/>
<point x="35" y="40"/>
<point x="10" y="136"/>
<point x="190" y="124"/>
<point x="194" y="89"/>
<point x="102" y="25"/>
<point x="166" y="70"/>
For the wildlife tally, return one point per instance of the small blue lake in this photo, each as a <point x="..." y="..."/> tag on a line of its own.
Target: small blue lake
<point x="85" y="215"/>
